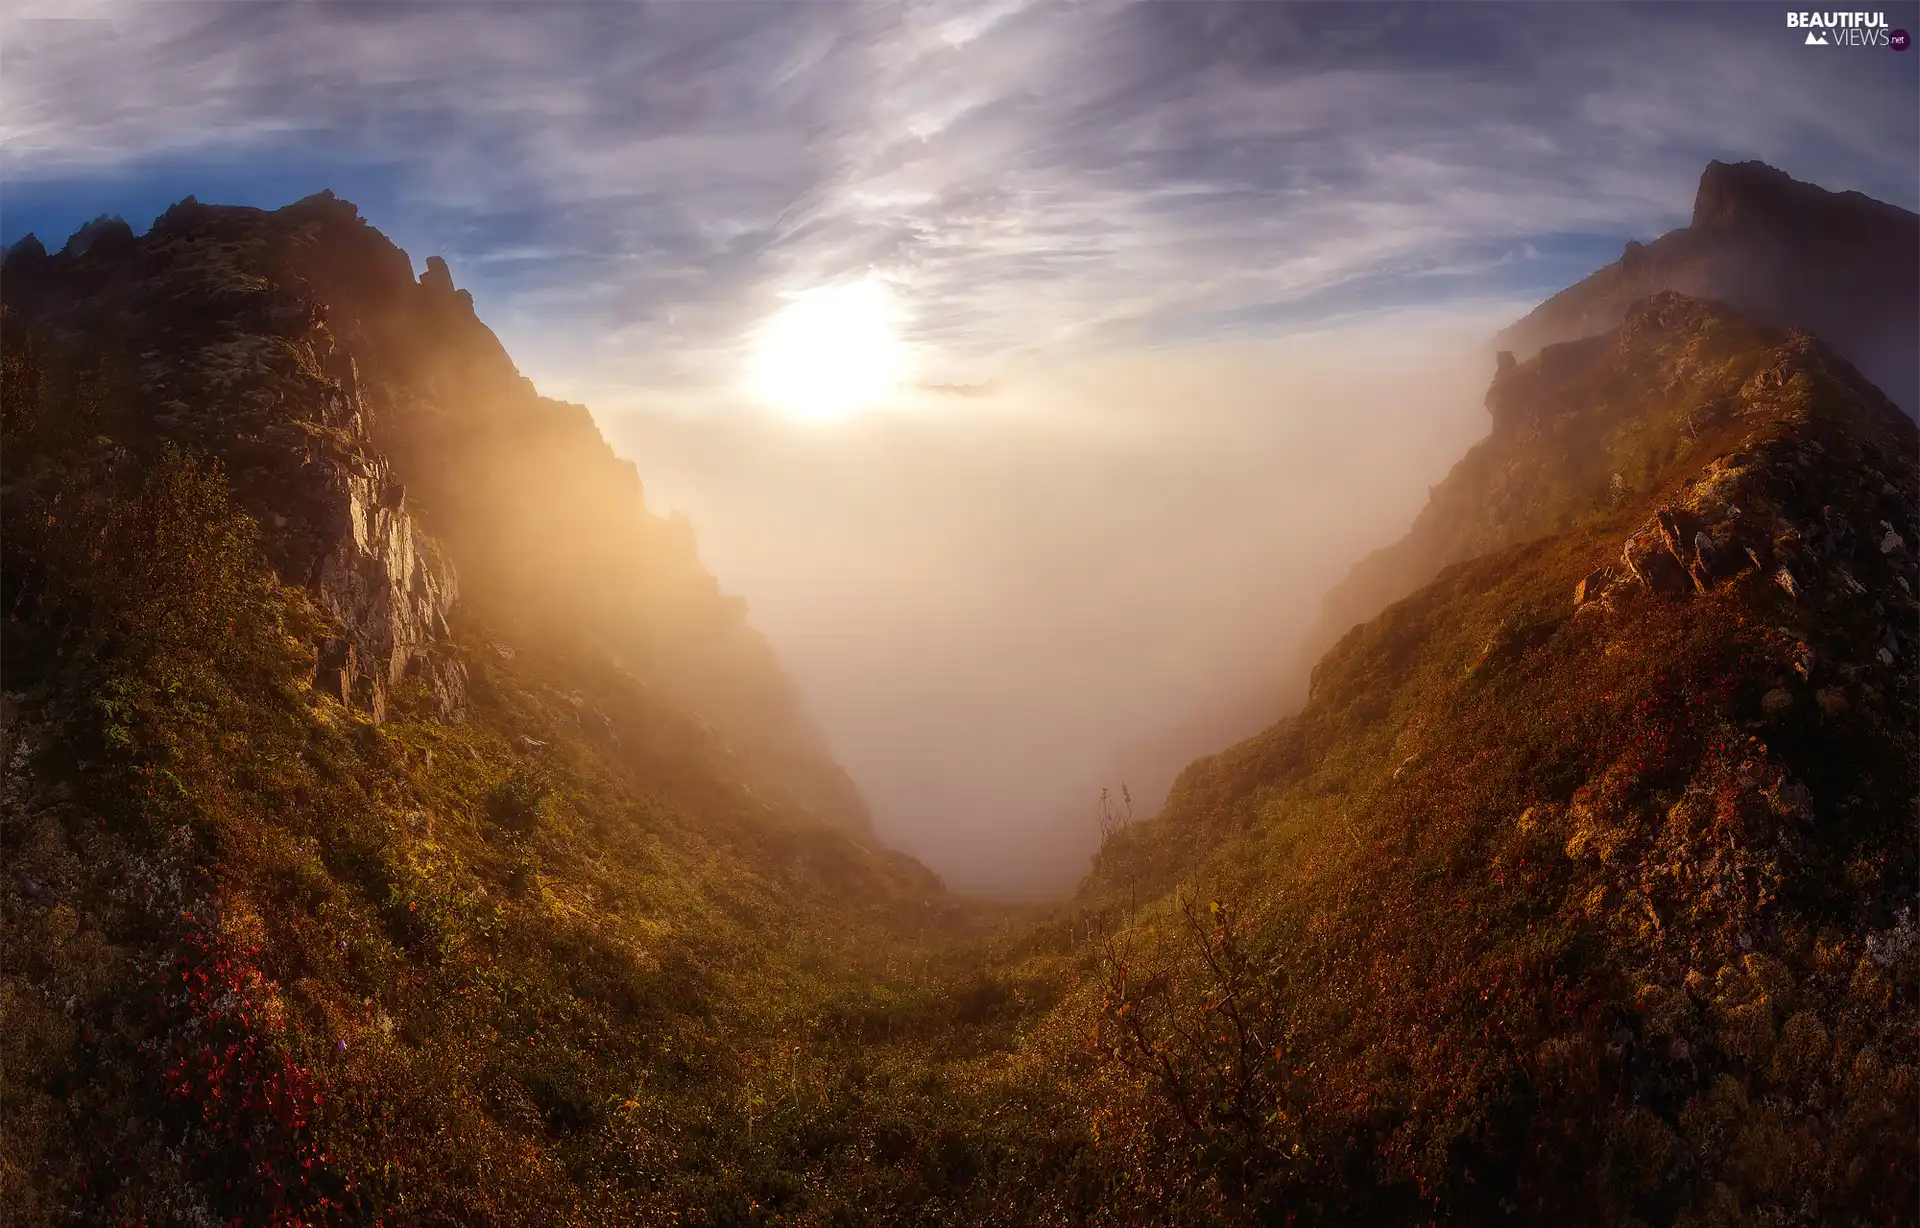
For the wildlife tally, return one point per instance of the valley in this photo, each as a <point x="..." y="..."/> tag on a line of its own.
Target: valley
<point x="401" y="826"/>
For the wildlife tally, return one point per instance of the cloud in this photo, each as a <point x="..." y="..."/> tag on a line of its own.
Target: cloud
<point x="1034" y="177"/>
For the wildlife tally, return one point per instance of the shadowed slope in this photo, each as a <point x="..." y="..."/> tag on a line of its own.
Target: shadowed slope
<point x="1581" y="887"/>
<point x="1840" y="265"/>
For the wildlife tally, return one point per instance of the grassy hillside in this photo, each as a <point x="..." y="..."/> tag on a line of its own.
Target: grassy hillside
<point x="1570" y="893"/>
<point x="530" y="939"/>
<point x="1580" y="889"/>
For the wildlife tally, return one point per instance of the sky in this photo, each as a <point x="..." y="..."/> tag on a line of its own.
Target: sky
<point x="1190" y="297"/>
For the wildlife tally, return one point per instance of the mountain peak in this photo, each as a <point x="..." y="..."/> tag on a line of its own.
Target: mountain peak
<point x="1738" y="195"/>
<point x="1789" y="254"/>
<point x="1731" y="191"/>
<point x="438" y="276"/>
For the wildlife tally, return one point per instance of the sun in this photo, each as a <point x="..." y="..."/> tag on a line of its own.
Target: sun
<point x="829" y="352"/>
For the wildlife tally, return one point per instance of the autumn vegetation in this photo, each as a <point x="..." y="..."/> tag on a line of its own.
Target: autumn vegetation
<point x="1593" y="913"/>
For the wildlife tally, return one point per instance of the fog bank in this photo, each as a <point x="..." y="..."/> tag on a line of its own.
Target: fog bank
<point x="998" y="601"/>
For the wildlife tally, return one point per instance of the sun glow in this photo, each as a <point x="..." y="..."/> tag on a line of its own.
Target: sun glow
<point x="829" y="352"/>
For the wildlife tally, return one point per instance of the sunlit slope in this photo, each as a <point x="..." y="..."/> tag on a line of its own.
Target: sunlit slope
<point x="344" y="876"/>
<point x="265" y="337"/>
<point x="1581" y="888"/>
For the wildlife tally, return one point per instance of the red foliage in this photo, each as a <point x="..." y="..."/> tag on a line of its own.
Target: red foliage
<point x="219" y="1057"/>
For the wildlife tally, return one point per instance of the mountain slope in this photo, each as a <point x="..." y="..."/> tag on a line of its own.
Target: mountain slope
<point x="350" y="869"/>
<point x="1842" y="266"/>
<point x="360" y="861"/>
<point x="1581" y="888"/>
<point x="298" y="340"/>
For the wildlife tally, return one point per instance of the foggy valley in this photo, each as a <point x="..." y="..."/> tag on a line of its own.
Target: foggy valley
<point x="990" y="607"/>
<point x="993" y="612"/>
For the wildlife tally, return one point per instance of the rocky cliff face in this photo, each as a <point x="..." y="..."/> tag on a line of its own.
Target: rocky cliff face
<point x="391" y="590"/>
<point x="237" y="361"/>
<point x="1840" y="265"/>
<point x="387" y="444"/>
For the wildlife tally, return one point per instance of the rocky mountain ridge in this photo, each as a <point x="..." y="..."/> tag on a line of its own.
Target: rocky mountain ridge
<point x="1596" y="845"/>
<point x="266" y="389"/>
<point x="397" y="462"/>
<point x="1580" y="888"/>
<point x="1840" y="265"/>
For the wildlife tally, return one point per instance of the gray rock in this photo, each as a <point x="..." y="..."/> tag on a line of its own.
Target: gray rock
<point x="1679" y="528"/>
<point x="388" y="586"/>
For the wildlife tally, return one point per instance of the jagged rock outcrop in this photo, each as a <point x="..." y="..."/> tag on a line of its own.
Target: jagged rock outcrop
<point x="1823" y="514"/>
<point x="1839" y="265"/>
<point x="305" y="461"/>
<point x="390" y="588"/>
<point x="1581" y="427"/>
<point x="384" y="439"/>
<point x="107" y="235"/>
<point x="236" y="359"/>
<point x="1789" y="254"/>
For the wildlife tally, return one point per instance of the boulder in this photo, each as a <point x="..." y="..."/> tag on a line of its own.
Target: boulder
<point x="1649" y="560"/>
<point x="1678" y="528"/>
<point x="1788" y="582"/>
<point x="1593" y="585"/>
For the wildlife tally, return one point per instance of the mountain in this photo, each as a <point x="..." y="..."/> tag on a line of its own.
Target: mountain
<point x="414" y="464"/>
<point x="1581" y="888"/>
<point x="397" y="826"/>
<point x="1841" y="266"/>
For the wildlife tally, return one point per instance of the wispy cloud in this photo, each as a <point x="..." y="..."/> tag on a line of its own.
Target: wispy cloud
<point x="1031" y="176"/>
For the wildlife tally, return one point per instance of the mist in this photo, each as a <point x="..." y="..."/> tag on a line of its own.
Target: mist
<point x="999" y="601"/>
